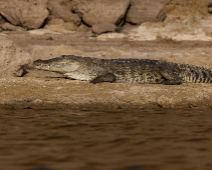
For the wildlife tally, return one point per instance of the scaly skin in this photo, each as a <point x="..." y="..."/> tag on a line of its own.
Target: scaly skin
<point x="142" y="71"/>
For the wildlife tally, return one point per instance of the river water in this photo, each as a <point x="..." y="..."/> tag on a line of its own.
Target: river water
<point x="105" y="140"/>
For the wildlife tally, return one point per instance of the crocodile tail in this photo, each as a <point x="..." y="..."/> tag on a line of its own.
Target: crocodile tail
<point x="195" y="74"/>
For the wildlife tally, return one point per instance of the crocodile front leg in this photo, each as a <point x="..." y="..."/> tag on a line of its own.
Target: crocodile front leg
<point x="171" y="78"/>
<point x="108" y="77"/>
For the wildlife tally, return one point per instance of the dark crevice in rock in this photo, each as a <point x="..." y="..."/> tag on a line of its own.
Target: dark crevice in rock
<point x="81" y="17"/>
<point x="5" y="19"/>
<point x="45" y="22"/>
<point x="83" y="22"/>
<point x="122" y="21"/>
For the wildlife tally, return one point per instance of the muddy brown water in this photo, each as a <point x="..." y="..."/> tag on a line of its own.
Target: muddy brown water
<point x="101" y="140"/>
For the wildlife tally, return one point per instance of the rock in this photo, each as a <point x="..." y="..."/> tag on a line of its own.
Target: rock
<point x="29" y="14"/>
<point x="9" y="27"/>
<point x="102" y="28"/>
<point x="58" y="25"/>
<point x="187" y="10"/>
<point x="62" y="9"/>
<point x="98" y="12"/>
<point x="146" y="11"/>
<point x="13" y="59"/>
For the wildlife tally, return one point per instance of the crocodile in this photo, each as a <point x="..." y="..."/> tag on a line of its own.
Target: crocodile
<point x="143" y="71"/>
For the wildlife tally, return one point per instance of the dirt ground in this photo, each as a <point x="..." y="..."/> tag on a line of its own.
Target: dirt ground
<point x="44" y="90"/>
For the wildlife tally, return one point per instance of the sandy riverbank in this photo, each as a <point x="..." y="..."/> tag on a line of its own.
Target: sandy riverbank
<point x="55" y="93"/>
<point x="44" y="90"/>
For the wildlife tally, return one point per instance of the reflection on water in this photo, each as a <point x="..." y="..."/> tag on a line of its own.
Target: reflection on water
<point x="128" y="140"/>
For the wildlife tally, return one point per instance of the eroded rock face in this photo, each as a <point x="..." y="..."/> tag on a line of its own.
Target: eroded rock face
<point x="13" y="59"/>
<point x="28" y="14"/>
<point x="98" y="12"/>
<point x="62" y="9"/>
<point x="146" y="11"/>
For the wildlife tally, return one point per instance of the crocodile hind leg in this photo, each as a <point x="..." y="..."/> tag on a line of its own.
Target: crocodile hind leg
<point x="108" y="77"/>
<point x="171" y="78"/>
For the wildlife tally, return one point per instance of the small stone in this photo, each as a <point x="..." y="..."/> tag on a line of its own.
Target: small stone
<point x="103" y="28"/>
<point x="10" y="27"/>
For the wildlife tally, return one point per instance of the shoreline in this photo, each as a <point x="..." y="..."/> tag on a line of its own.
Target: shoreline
<point x="60" y="93"/>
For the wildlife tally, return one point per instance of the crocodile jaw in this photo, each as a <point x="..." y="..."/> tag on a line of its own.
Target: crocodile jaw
<point x="56" y="66"/>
